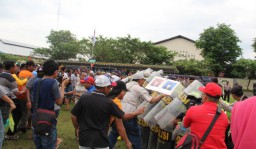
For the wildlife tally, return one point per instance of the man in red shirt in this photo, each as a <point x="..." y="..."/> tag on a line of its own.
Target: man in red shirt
<point x="198" y="118"/>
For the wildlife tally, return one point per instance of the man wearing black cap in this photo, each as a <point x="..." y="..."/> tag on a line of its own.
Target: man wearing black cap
<point x="117" y="94"/>
<point x="237" y="94"/>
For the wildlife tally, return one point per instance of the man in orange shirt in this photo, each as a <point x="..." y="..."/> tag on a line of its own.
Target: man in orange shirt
<point x="25" y="73"/>
<point x="117" y="94"/>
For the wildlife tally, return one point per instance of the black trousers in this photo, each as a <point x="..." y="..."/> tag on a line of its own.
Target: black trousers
<point x="226" y="95"/>
<point x="16" y="115"/>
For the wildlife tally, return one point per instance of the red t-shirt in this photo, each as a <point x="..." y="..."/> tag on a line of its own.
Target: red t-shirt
<point x="198" y="118"/>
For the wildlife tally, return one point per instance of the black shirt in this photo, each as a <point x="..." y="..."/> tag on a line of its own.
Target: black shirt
<point x="93" y="111"/>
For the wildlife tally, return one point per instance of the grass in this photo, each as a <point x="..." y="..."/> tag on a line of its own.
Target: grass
<point x="65" y="131"/>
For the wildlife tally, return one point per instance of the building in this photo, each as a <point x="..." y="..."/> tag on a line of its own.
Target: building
<point x="19" y="49"/>
<point x="183" y="46"/>
<point x="15" y="48"/>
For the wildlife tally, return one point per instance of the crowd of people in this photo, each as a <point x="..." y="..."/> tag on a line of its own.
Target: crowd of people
<point x="106" y="106"/>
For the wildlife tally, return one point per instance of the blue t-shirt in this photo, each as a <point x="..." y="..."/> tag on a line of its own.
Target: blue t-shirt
<point x="49" y="92"/>
<point x="91" y="89"/>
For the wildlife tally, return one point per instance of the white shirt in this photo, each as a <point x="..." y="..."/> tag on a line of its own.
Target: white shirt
<point x="73" y="79"/>
<point x="134" y="97"/>
<point x="65" y="76"/>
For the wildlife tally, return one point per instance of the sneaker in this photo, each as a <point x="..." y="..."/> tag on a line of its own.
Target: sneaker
<point x="13" y="137"/>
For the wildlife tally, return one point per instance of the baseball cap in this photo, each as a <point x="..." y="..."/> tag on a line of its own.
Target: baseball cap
<point x="88" y="79"/>
<point x="212" y="89"/>
<point x="138" y="75"/>
<point x="237" y="90"/>
<point x="103" y="81"/>
<point x="120" y="86"/>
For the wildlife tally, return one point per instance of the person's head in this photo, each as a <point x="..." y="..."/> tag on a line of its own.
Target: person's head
<point x="10" y="66"/>
<point x="91" y="73"/>
<point x="63" y="69"/>
<point x="40" y="73"/>
<point x="98" y="73"/>
<point x="50" y="68"/>
<point x="103" y="84"/>
<point x="227" y="82"/>
<point x="22" y="66"/>
<point x="139" y="77"/>
<point x="237" y="92"/>
<point x="88" y="82"/>
<point x="30" y="66"/>
<point x="212" y="92"/>
<point x="215" y="80"/>
<point x="69" y="72"/>
<point x="82" y="75"/>
<point x="118" y="91"/>
<point x="75" y="71"/>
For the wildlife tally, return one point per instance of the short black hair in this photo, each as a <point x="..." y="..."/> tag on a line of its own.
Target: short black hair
<point x="237" y="90"/>
<point x="62" y="68"/>
<point x="136" y="80"/>
<point x="215" y="79"/>
<point x="8" y="65"/>
<point x="49" y="67"/>
<point x="23" y="65"/>
<point x="30" y="63"/>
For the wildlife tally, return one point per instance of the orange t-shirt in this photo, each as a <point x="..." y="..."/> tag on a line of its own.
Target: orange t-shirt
<point x="119" y="104"/>
<point x="23" y="75"/>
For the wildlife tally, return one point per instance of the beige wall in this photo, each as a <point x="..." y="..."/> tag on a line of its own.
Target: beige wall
<point x="186" y="49"/>
<point x="242" y="82"/>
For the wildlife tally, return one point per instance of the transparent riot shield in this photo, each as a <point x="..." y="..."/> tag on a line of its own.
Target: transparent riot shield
<point x="166" y="117"/>
<point x="149" y="118"/>
<point x="192" y="89"/>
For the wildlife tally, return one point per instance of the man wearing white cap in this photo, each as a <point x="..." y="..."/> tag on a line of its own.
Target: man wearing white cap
<point x="131" y="101"/>
<point x="91" y="116"/>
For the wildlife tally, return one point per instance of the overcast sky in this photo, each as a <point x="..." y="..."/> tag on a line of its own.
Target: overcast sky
<point x="30" y="21"/>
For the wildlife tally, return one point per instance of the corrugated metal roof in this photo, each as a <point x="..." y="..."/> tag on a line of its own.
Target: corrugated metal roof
<point x="13" y="43"/>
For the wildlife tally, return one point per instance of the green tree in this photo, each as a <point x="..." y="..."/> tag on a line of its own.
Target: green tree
<point x="4" y="57"/>
<point x="220" y="47"/>
<point x="130" y="50"/>
<point x="63" y="46"/>
<point x="244" y="68"/>
<point x="254" y="44"/>
<point x="192" y="67"/>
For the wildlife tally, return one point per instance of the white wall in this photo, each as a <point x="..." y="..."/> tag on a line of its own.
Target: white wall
<point x="186" y="49"/>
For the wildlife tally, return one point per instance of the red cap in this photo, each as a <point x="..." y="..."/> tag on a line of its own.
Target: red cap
<point x="82" y="81"/>
<point x="113" y="84"/>
<point x="89" y="79"/>
<point x="212" y="89"/>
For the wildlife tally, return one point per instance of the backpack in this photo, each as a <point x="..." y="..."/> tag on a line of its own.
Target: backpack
<point x="189" y="141"/>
